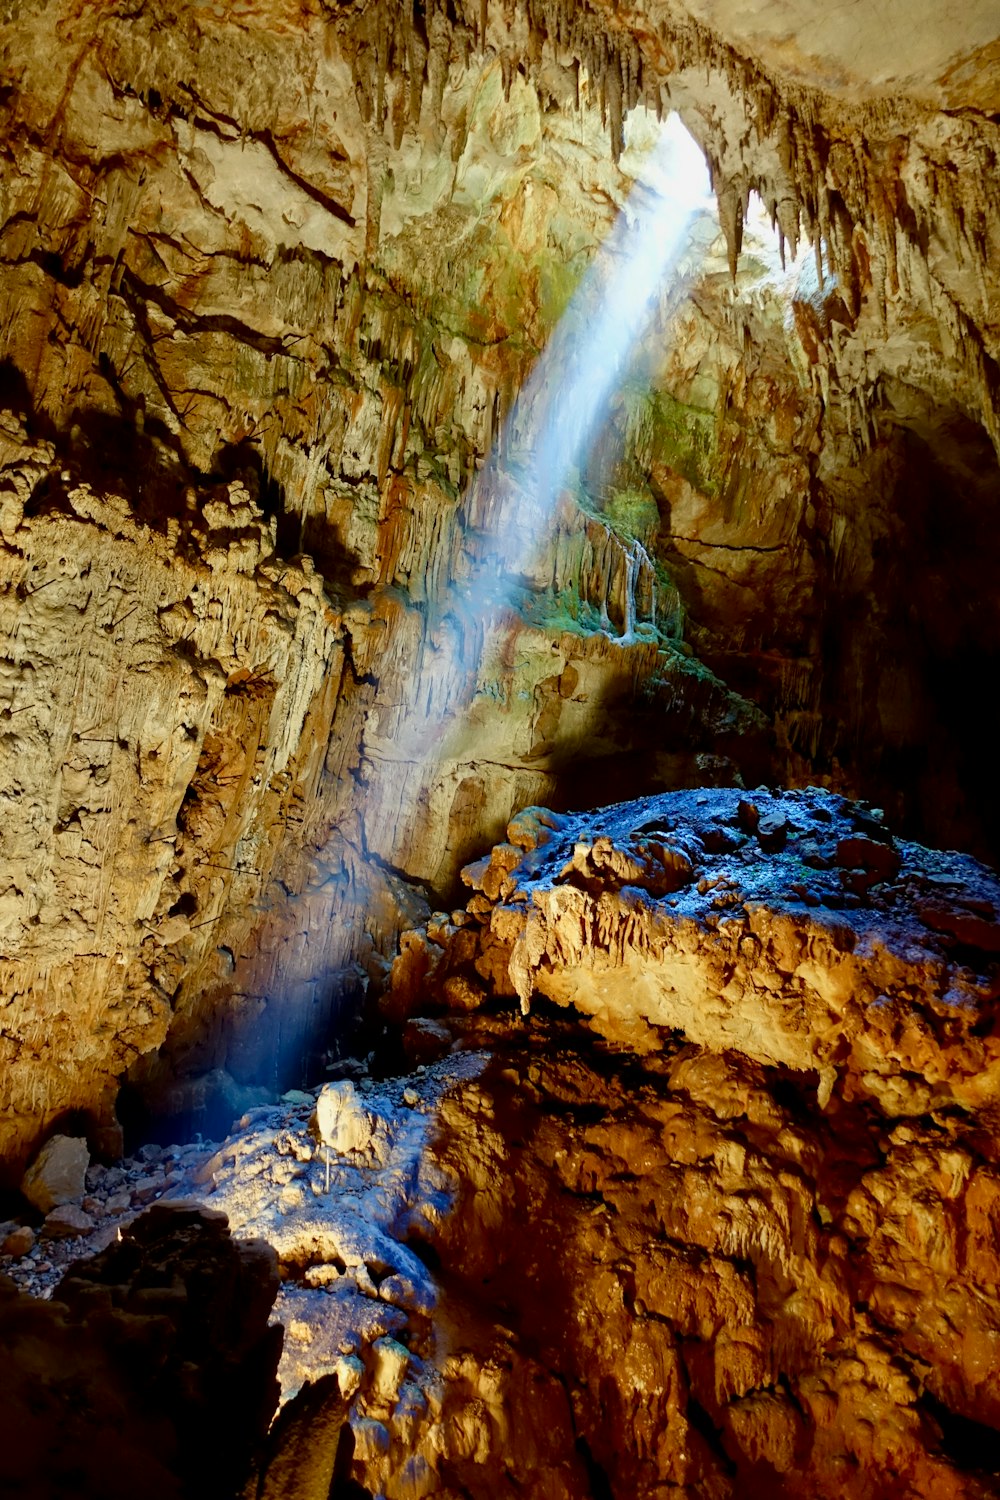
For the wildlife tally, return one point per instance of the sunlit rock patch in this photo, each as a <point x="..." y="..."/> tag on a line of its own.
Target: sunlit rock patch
<point x="789" y="926"/>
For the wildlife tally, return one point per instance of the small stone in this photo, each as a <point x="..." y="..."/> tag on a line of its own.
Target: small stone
<point x="322" y="1275"/>
<point x="102" y="1238"/>
<point x="859" y="853"/>
<point x="296" y="1096"/>
<point x="119" y="1203"/>
<point x="350" y="1373"/>
<point x="461" y="994"/>
<point x="424" y="1040"/>
<point x="148" y="1188"/>
<point x="93" y="1206"/>
<point x="150" y="1152"/>
<point x="58" y="1173"/>
<point x="64" y="1222"/>
<point x="748" y="816"/>
<point x="772" y="833"/>
<point x="811" y="854"/>
<point x="19" y="1242"/>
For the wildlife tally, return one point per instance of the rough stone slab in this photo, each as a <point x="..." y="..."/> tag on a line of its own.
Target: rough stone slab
<point x="58" y="1173"/>
<point x="833" y="949"/>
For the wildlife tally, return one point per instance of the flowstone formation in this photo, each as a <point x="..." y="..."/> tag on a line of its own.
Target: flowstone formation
<point x="721" y="1221"/>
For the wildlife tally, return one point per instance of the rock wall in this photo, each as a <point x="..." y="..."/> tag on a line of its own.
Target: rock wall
<point x="270" y="284"/>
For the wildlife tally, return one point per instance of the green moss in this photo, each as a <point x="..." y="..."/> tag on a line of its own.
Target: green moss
<point x="633" y="514"/>
<point x="658" y="429"/>
<point x="558" y="613"/>
<point x="557" y="282"/>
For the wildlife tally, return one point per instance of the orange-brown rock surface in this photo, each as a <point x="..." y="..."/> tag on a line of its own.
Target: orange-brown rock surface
<point x="287" y="636"/>
<point x="791" y="927"/>
<point x="721" y="1221"/>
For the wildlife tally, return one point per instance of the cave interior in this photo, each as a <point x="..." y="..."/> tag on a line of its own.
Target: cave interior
<point x="499" y="922"/>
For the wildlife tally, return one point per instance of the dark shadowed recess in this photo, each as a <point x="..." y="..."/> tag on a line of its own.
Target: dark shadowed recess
<point x="904" y="655"/>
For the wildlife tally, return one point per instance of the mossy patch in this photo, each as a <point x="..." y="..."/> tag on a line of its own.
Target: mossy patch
<point x="658" y="429"/>
<point x="633" y="514"/>
<point x="558" y="613"/>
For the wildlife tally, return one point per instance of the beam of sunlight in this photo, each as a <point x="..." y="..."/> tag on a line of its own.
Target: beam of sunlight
<point x="566" y="394"/>
<point x="504" y="524"/>
<point x="562" y="407"/>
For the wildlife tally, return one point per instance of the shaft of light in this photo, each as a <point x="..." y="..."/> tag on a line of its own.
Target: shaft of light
<point x="565" y="397"/>
<point x="559" y="414"/>
<point x="561" y="409"/>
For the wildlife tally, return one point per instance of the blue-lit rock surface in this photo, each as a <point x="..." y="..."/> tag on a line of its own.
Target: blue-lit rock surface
<point x="791" y="927"/>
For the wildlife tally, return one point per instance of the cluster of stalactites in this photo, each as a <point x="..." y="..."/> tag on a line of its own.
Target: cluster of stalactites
<point x="402" y="53"/>
<point x="824" y="187"/>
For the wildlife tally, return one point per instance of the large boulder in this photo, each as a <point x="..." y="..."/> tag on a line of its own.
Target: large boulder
<point x="58" y="1173"/>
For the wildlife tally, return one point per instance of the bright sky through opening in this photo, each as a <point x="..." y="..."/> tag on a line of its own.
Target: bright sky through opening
<point x="566" y="395"/>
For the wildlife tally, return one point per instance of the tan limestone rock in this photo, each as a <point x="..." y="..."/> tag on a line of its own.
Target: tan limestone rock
<point x="58" y="1173"/>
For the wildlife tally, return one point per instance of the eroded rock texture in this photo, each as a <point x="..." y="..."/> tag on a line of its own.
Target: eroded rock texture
<point x="722" y="1220"/>
<point x="729" y="1232"/>
<point x="737" y="1234"/>
<point x="792" y="927"/>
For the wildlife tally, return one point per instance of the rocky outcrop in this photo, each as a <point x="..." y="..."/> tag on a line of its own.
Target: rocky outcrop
<point x="791" y="927"/>
<point x="152" y="1369"/>
<point x="727" y="1239"/>
<point x="747" y="1267"/>
<point x="721" y="1219"/>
